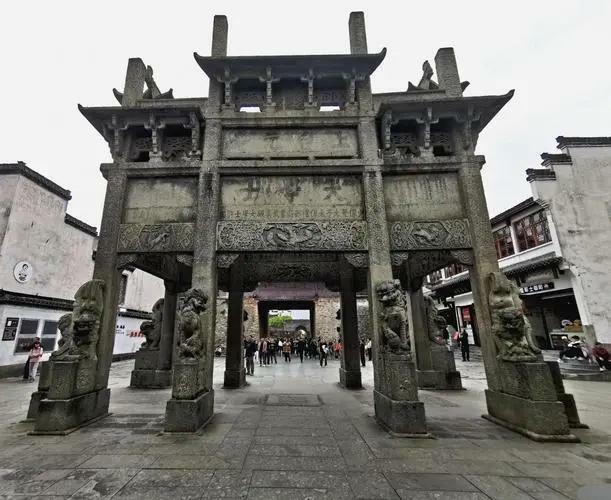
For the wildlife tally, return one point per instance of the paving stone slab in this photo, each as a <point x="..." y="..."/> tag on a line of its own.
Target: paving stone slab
<point x="429" y="482"/>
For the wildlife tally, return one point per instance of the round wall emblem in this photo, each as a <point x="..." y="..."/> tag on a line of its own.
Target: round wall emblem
<point x="23" y="271"/>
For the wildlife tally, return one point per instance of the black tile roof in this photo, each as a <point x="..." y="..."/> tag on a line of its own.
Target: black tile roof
<point x="22" y="169"/>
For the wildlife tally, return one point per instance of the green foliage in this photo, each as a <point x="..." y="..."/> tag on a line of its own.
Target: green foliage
<point x="279" y="321"/>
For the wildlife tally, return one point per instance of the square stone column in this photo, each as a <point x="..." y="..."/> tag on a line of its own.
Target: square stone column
<point x="350" y="370"/>
<point x="521" y="395"/>
<point x="395" y="394"/>
<point x="435" y="364"/>
<point x="78" y="390"/>
<point x="235" y="374"/>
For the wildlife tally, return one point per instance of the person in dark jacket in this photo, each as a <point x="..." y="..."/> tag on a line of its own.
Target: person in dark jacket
<point x="464" y="344"/>
<point x="251" y="348"/>
<point x="301" y="347"/>
<point x="362" y="351"/>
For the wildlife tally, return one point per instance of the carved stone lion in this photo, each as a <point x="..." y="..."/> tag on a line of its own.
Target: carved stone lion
<point x="510" y="327"/>
<point x="393" y="316"/>
<point x="86" y="317"/>
<point x="66" y="349"/>
<point x="189" y="325"/>
<point x="435" y="321"/>
<point x="152" y="329"/>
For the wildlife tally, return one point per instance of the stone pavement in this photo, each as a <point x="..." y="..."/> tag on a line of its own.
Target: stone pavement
<point x="294" y="433"/>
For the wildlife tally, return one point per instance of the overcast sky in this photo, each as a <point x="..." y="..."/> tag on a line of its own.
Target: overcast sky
<point x="56" y="54"/>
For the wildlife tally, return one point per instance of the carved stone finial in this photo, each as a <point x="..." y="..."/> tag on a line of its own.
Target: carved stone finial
<point x="393" y="316"/>
<point x="151" y="92"/>
<point x="152" y="329"/>
<point x="510" y="327"/>
<point x="190" y="344"/>
<point x="426" y="82"/>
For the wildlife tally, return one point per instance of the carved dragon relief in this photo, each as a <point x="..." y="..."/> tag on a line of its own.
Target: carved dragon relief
<point x="174" y="237"/>
<point x="249" y="236"/>
<point x="422" y="235"/>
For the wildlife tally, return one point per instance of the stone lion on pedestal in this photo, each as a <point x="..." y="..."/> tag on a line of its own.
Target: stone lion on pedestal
<point x="190" y="343"/>
<point x="510" y="327"/>
<point x="393" y="316"/>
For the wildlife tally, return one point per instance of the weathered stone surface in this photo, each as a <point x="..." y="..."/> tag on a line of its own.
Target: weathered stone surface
<point x="61" y="415"/>
<point x="528" y="380"/>
<point x="189" y="415"/>
<point x="400" y="417"/>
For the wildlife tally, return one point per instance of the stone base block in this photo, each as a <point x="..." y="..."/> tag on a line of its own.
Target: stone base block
<point x="566" y="399"/>
<point x="62" y="416"/>
<point x="189" y="415"/>
<point x="527" y="380"/>
<point x="151" y="379"/>
<point x="350" y="379"/>
<point x="438" y="380"/>
<point x="234" y="379"/>
<point x="187" y="380"/>
<point x="146" y="359"/>
<point x="400" y="418"/>
<point x="35" y="400"/>
<point x="71" y="378"/>
<point x="538" y="420"/>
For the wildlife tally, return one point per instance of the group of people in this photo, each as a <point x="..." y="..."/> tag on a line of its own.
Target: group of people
<point x="268" y="350"/>
<point x="577" y="349"/>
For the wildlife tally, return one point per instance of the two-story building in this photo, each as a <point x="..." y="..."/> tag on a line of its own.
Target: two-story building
<point x="554" y="245"/>
<point x="45" y="255"/>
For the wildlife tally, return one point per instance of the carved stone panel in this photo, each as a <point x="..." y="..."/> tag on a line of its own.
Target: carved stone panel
<point x="158" y="200"/>
<point x="155" y="238"/>
<point x="286" y="198"/>
<point x="422" y="196"/>
<point x="422" y="235"/>
<point x="290" y="143"/>
<point x="274" y="236"/>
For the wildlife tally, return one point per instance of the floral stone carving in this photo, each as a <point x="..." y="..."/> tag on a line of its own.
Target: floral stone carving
<point x="435" y="322"/>
<point x="510" y="327"/>
<point x="190" y="345"/>
<point x="152" y="329"/>
<point x="393" y="317"/>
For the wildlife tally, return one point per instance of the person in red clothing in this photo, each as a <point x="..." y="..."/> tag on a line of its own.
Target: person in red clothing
<point x="35" y="356"/>
<point x="601" y="355"/>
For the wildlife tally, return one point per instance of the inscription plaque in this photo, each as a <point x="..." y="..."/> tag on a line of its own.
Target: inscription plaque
<point x="287" y="198"/>
<point x="422" y="196"/>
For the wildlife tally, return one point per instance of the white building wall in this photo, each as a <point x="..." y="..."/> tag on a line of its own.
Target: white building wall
<point x="60" y="255"/>
<point x="580" y="203"/>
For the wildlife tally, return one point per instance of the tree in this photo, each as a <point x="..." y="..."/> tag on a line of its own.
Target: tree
<point x="279" y="321"/>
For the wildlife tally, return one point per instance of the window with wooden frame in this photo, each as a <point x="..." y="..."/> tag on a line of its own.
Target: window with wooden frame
<point x="503" y="242"/>
<point x="532" y="231"/>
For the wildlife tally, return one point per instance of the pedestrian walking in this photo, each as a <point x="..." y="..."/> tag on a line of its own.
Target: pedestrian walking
<point x="464" y="344"/>
<point x="323" y="351"/>
<point x="362" y="351"/>
<point x="251" y="349"/>
<point x="35" y="357"/>
<point x="271" y="349"/>
<point x="263" y="352"/>
<point x="368" y="349"/>
<point x="26" y="367"/>
<point x="301" y="347"/>
<point x="286" y="350"/>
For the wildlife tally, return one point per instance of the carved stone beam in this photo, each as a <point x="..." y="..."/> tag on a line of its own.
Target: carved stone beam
<point x="228" y="81"/>
<point x="268" y="80"/>
<point x="467" y="130"/>
<point x="155" y="127"/>
<point x="186" y="259"/>
<point x="226" y="260"/>
<point x="357" y="260"/>
<point x="117" y="136"/>
<point x="126" y="259"/>
<point x="193" y="125"/>
<point x="427" y="120"/>
<point x="386" y="125"/>
<point x="163" y="266"/>
<point x="309" y="78"/>
<point x="464" y="257"/>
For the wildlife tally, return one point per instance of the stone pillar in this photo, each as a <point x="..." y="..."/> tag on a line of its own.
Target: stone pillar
<point x="436" y="368"/>
<point x="358" y="34"/>
<point x="235" y="374"/>
<point x="395" y="394"/>
<point x="521" y="395"/>
<point x="153" y="365"/>
<point x="350" y="370"/>
<point x="192" y="402"/>
<point x="447" y="72"/>
<point x="134" y="82"/>
<point x="78" y="391"/>
<point x="166" y="345"/>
